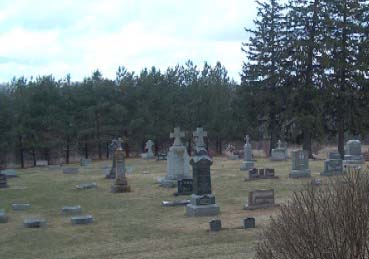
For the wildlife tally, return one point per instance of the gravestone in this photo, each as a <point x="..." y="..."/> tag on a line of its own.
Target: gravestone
<point x="229" y="151"/>
<point x="215" y="225"/>
<point x="81" y="220"/>
<point x="256" y="174"/>
<point x="67" y="210"/>
<point x="300" y="164"/>
<point x="175" y="203"/>
<point x="260" y="199"/>
<point x="42" y="163"/>
<point x="85" y="161"/>
<point x="3" y="181"/>
<point x="21" y="206"/>
<point x="353" y="155"/>
<point x="3" y="216"/>
<point x="34" y="223"/>
<point x="184" y="187"/>
<point x="85" y="186"/>
<point x="279" y="153"/>
<point x="113" y="147"/>
<point x="9" y="173"/>
<point x="70" y="170"/>
<point x="178" y="166"/>
<point x="249" y="222"/>
<point x="149" y="154"/>
<point x="202" y="199"/>
<point x="248" y="163"/>
<point x="333" y="165"/>
<point x="120" y="184"/>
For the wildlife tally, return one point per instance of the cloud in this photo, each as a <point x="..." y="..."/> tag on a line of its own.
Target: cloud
<point x="77" y="37"/>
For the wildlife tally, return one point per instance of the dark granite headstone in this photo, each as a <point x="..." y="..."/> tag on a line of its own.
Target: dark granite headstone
<point x="3" y="181"/>
<point x="267" y="173"/>
<point x="249" y="222"/>
<point x="34" y="223"/>
<point x="185" y="187"/>
<point x="70" y="170"/>
<point x="81" y="220"/>
<point x="215" y="225"/>
<point x="201" y="176"/>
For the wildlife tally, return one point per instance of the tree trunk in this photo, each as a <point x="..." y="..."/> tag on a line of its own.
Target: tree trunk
<point x="107" y="150"/>
<point x="272" y="130"/>
<point x="86" y="151"/>
<point x="34" y="156"/>
<point x="341" y="137"/>
<point x="189" y="147"/>
<point x="67" y="154"/>
<point x="220" y="146"/>
<point x="22" y="157"/>
<point x="307" y="141"/>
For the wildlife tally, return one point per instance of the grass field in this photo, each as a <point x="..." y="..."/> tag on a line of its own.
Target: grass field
<point x="135" y="225"/>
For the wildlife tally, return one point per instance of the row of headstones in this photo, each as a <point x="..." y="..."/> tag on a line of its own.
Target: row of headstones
<point x="77" y="219"/>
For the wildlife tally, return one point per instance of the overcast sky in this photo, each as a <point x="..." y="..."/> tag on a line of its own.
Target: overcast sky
<point x="79" y="36"/>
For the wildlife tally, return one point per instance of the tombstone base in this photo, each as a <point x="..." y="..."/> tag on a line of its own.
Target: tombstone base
<point x="331" y="173"/>
<point x="262" y="206"/>
<point x="147" y="156"/>
<point x="247" y="165"/>
<point x="295" y="174"/>
<point x="202" y="210"/>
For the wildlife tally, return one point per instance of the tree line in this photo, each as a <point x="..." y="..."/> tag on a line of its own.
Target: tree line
<point x="304" y="79"/>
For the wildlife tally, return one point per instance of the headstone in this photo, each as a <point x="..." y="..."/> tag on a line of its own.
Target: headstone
<point x="72" y="210"/>
<point x="10" y="173"/>
<point x="229" y="151"/>
<point x="21" y="206"/>
<point x="85" y="186"/>
<point x="260" y="199"/>
<point x="113" y="147"/>
<point x="353" y="153"/>
<point x="81" y="220"/>
<point x="215" y="225"/>
<point x="202" y="199"/>
<point x="3" y="181"/>
<point x="85" y="161"/>
<point x="178" y="166"/>
<point x="248" y="163"/>
<point x="70" y="170"/>
<point x="3" y="216"/>
<point x="333" y="165"/>
<point x="184" y="187"/>
<point x="175" y="203"/>
<point x="120" y="183"/>
<point x="149" y="154"/>
<point x="300" y="164"/>
<point x="42" y="163"/>
<point x="279" y="153"/>
<point x="256" y="174"/>
<point x="34" y="223"/>
<point x="249" y="222"/>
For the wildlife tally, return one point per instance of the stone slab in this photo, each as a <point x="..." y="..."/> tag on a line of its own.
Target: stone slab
<point x="81" y="220"/>
<point x="202" y="210"/>
<point x="86" y="186"/>
<point x="34" y="223"/>
<point x="70" y="170"/>
<point x="67" y="210"/>
<point x="9" y="173"/>
<point x="21" y="206"/>
<point x="175" y="203"/>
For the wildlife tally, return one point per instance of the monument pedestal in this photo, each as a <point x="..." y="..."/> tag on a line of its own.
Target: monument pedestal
<point x="120" y="185"/>
<point x="247" y="165"/>
<point x="202" y="205"/>
<point x="302" y="173"/>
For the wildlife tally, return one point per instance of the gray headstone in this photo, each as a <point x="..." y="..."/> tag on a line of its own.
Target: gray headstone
<point x="353" y="153"/>
<point x="85" y="162"/>
<point x="3" y="216"/>
<point x="333" y="165"/>
<point x="215" y="225"/>
<point x="42" y="163"/>
<point x="120" y="184"/>
<point x="9" y="173"/>
<point x="260" y="199"/>
<point x="34" y="223"/>
<point x="21" y="206"/>
<point x="81" y="220"/>
<point x="72" y="210"/>
<point x="300" y="164"/>
<point x="149" y="154"/>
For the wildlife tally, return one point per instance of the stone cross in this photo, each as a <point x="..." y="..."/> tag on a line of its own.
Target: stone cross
<point x="177" y="134"/>
<point x="199" y="135"/>
<point x="279" y="143"/>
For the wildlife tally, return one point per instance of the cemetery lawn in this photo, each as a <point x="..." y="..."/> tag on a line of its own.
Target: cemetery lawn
<point x="135" y="225"/>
